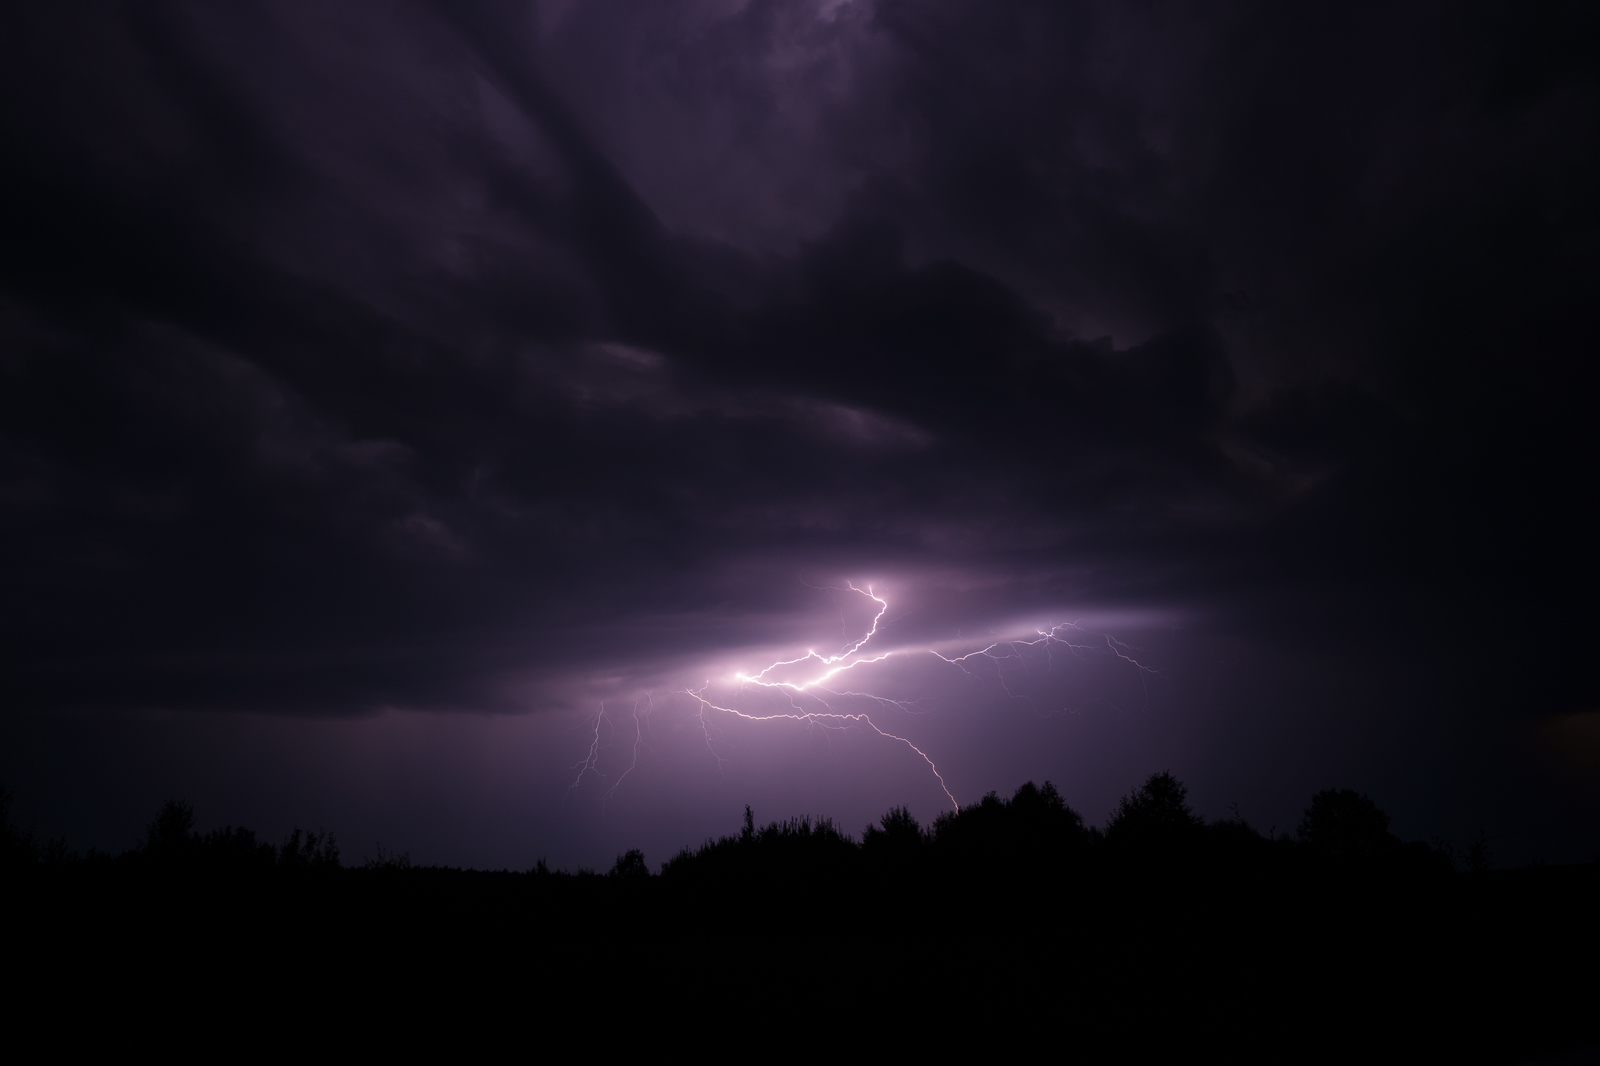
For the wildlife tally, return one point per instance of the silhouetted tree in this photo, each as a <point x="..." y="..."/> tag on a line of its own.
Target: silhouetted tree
<point x="170" y="838"/>
<point x="1235" y="842"/>
<point x="1034" y="831"/>
<point x="236" y="850"/>
<point x="1478" y="858"/>
<point x="630" y="864"/>
<point x="1344" y="826"/>
<point x="897" y="838"/>
<point x="1154" y="815"/>
<point x="16" y="847"/>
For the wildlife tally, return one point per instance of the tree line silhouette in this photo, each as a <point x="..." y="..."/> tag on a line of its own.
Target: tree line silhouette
<point x="1033" y="832"/>
<point x="1160" y="931"/>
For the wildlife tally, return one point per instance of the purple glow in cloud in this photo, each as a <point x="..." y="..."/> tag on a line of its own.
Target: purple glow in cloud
<point x="421" y="378"/>
<point x="798" y="689"/>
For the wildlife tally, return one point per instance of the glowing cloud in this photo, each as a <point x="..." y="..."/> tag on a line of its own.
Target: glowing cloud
<point x="824" y="668"/>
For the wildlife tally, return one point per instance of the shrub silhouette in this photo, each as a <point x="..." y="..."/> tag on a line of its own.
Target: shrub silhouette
<point x="386" y="861"/>
<point x="309" y="852"/>
<point x="236" y="850"/>
<point x="795" y="849"/>
<point x="171" y="841"/>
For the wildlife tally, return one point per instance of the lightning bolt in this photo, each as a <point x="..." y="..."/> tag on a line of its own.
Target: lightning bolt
<point x="1145" y="672"/>
<point x="829" y="719"/>
<point x="804" y="682"/>
<point x="828" y="667"/>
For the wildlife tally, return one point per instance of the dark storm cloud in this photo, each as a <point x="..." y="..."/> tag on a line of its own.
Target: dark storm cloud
<point x="355" y="360"/>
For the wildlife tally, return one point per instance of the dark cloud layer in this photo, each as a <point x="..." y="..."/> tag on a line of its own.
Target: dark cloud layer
<point x="358" y="359"/>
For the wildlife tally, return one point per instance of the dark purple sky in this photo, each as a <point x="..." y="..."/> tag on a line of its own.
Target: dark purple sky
<point x="385" y="390"/>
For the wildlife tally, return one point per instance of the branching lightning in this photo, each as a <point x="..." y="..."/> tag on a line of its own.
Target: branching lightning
<point x="828" y="667"/>
<point x="806" y="685"/>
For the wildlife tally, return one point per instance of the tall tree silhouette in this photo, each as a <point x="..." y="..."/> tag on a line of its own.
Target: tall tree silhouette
<point x="1154" y="815"/>
<point x="170" y="838"/>
<point x="1344" y="826"/>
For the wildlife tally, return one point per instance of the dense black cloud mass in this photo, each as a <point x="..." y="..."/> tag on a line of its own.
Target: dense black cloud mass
<point x="361" y="358"/>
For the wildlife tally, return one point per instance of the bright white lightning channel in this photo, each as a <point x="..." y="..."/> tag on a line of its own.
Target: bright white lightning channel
<point x="826" y="668"/>
<point x="830" y="666"/>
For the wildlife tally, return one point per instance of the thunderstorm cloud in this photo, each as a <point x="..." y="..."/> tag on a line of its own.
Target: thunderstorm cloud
<point x="499" y="358"/>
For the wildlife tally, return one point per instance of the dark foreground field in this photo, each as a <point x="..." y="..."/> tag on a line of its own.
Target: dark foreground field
<point x="1009" y="930"/>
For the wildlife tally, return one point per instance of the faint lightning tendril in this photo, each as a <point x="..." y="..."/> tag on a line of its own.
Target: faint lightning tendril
<point x="638" y="737"/>
<point x="590" y="761"/>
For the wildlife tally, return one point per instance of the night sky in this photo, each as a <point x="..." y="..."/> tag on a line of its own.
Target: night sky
<point x="400" y="403"/>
